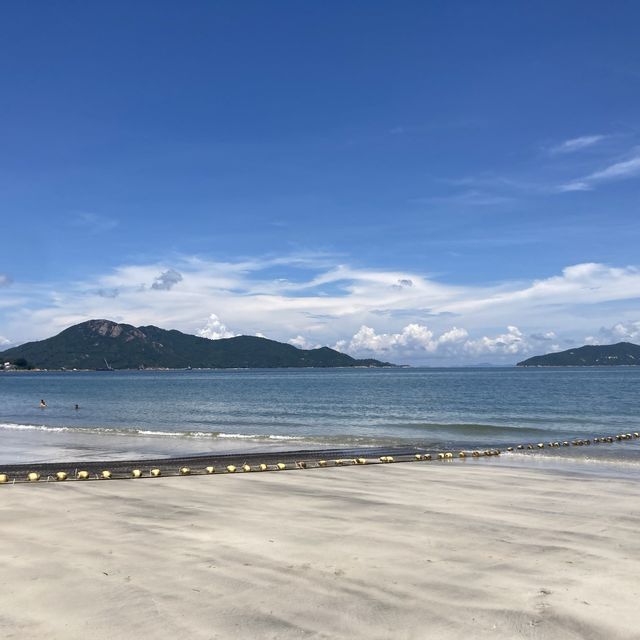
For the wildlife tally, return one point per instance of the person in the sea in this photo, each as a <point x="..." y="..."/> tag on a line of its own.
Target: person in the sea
<point x="77" y="407"/>
<point x="43" y="404"/>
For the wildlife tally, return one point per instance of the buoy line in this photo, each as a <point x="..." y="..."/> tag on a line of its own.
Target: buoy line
<point x="152" y="468"/>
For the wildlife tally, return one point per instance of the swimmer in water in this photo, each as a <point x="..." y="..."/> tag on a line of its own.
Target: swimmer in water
<point x="43" y="404"/>
<point x="77" y="407"/>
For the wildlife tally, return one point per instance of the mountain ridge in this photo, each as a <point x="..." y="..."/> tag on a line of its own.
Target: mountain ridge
<point x="96" y="343"/>
<point x="605" y="355"/>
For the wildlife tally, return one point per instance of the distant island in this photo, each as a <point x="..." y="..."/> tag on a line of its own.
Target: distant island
<point x="103" y="344"/>
<point x="603" y="355"/>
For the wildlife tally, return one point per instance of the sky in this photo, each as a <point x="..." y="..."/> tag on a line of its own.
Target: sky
<point x="431" y="183"/>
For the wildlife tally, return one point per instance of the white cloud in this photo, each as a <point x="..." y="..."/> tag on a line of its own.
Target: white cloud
<point x="5" y="280"/>
<point x="454" y="344"/>
<point x="619" y="332"/>
<point x="512" y="342"/>
<point x="413" y="337"/>
<point x="214" y="329"/>
<point x="302" y="343"/>
<point x="576" y="144"/>
<point x="4" y="342"/>
<point x="618" y="171"/>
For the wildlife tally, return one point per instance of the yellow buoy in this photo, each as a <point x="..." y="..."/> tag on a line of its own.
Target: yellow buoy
<point x="106" y="474"/>
<point x="426" y="456"/>
<point x="263" y="467"/>
<point x="301" y="465"/>
<point x="82" y="475"/>
<point x="61" y="475"/>
<point x="231" y="468"/>
<point x="155" y="473"/>
<point x="448" y="455"/>
<point x="281" y="466"/>
<point x="540" y="445"/>
<point x="322" y="463"/>
<point x="509" y="448"/>
<point x="462" y="454"/>
<point x="136" y="473"/>
<point x="441" y="456"/>
<point x="33" y="476"/>
<point x="210" y="469"/>
<point x="361" y="461"/>
<point x="4" y="478"/>
<point x="382" y="459"/>
<point x="185" y="471"/>
<point x="341" y="462"/>
<point x="418" y="456"/>
<point x="246" y="467"/>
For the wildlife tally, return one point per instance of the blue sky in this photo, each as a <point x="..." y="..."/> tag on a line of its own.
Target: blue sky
<point x="436" y="183"/>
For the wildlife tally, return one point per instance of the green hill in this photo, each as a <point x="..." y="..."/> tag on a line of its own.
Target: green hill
<point x="604" y="355"/>
<point x="91" y="344"/>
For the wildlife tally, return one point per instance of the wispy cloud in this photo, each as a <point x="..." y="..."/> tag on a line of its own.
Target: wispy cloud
<point x="617" y="171"/>
<point x="576" y="144"/>
<point x="473" y="198"/>
<point x="93" y="222"/>
<point x="5" y="280"/>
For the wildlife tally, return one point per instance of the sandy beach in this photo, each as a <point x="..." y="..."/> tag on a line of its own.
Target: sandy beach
<point x="421" y="550"/>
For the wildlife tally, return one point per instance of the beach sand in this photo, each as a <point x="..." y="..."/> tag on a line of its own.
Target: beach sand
<point x="468" y="549"/>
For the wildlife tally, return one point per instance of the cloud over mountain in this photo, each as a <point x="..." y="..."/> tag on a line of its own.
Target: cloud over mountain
<point x="406" y="316"/>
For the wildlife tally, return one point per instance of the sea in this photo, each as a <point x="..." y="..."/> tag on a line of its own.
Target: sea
<point x="139" y="414"/>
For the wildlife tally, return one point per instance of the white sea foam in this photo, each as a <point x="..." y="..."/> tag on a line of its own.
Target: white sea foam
<point x="32" y="427"/>
<point x="255" y="436"/>
<point x="108" y="431"/>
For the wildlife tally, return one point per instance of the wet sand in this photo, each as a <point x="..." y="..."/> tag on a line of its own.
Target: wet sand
<point x="467" y="549"/>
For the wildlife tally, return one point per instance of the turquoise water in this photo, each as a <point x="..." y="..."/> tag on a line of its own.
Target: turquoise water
<point x="166" y="412"/>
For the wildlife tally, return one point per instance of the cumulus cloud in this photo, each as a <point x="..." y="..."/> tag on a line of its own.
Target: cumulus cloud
<point x="167" y="280"/>
<point x="512" y="342"/>
<point x="302" y="343"/>
<point x="620" y="332"/>
<point x="455" y="343"/>
<point x="413" y="337"/>
<point x="576" y="144"/>
<point x="5" y="280"/>
<point x="214" y="329"/>
<point x="617" y="171"/>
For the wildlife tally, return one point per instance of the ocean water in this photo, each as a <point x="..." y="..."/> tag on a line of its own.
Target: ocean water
<point x="157" y="413"/>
